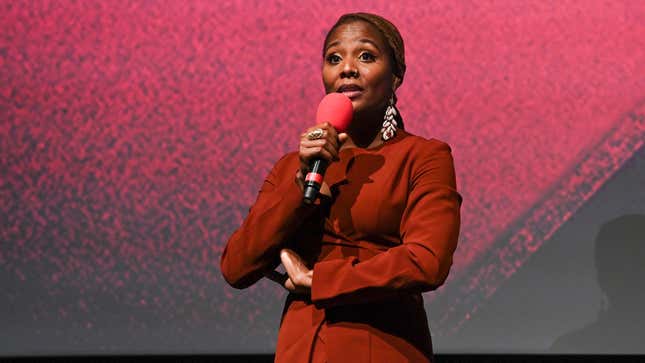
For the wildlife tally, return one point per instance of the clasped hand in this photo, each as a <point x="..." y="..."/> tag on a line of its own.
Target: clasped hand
<point x="298" y="277"/>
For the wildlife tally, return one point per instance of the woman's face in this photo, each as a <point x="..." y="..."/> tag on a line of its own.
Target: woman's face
<point x="357" y="64"/>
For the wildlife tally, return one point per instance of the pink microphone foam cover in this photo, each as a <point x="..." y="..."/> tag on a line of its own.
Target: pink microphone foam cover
<point x="335" y="108"/>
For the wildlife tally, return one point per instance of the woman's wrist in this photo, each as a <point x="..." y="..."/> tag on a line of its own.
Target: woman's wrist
<point x="300" y="179"/>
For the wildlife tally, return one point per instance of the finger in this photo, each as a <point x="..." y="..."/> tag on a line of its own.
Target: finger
<point x="313" y="143"/>
<point x="318" y="142"/>
<point x="330" y="133"/>
<point x="342" y="137"/>
<point x="326" y="144"/>
<point x="316" y="152"/>
<point x="289" y="285"/>
<point x="298" y="262"/>
<point x="294" y="265"/>
<point x="330" y="130"/>
<point x="333" y="140"/>
<point x="288" y="263"/>
<point x="305" y="135"/>
<point x="332" y="150"/>
<point x="310" y="148"/>
<point x="325" y="126"/>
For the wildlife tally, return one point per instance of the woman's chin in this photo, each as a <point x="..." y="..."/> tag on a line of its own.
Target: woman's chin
<point x="363" y="110"/>
<point x="358" y="106"/>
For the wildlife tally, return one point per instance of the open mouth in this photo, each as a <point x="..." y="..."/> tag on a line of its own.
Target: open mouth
<point x="350" y="90"/>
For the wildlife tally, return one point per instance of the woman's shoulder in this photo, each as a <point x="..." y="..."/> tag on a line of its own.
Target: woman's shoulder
<point x="422" y="145"/>
<point x="431" y="159"/>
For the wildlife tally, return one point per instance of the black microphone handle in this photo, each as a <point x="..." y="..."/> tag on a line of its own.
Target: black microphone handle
<point x="313" y="180"/>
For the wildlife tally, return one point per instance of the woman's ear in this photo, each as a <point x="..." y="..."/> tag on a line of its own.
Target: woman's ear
<point x="396" y="82"/>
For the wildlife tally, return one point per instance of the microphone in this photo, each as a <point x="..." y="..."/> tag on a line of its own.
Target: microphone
<point x="335" y="108"/>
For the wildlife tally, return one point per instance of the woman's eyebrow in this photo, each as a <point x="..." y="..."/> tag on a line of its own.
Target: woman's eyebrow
<point x="362" y="40"/>
<point x="365" y="40"/>
<point x="332" y="44"/>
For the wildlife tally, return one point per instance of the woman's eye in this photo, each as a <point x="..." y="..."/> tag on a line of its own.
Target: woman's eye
<point x="333" y="58"/>
<point x="368" y="57"/>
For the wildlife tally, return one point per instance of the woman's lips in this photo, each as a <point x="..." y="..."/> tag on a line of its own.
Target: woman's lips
<point x="351" y="91"/>
<point x="352" y="94"/>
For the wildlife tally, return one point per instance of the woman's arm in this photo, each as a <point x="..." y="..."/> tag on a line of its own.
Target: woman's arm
<point x="276" y="214"/>
<point x="429" y="231"/>
<point x="253" y="250"/>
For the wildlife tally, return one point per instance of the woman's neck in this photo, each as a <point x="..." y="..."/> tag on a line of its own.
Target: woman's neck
<point x="364" y="132"/>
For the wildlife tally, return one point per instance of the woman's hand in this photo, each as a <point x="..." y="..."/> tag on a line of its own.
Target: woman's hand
<point x="298" y="277"/>
<point x="325" y="147"/>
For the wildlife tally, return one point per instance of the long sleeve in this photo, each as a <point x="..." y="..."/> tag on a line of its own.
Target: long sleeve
<point x="273" y="218"/>
<point x="429" y="230"/>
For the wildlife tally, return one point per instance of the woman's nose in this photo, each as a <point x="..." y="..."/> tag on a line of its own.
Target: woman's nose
<point x="349" y="70"/>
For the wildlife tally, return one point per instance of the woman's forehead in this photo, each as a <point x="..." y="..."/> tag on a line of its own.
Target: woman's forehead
<point x="356" y="31"/>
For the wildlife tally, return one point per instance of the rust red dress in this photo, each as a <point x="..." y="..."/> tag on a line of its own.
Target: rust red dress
<point x="387" y="234"/>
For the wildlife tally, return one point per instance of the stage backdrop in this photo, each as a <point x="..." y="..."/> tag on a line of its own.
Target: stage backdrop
<point x="134" y="136"/>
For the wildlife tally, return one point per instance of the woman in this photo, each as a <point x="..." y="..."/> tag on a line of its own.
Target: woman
<point x="382" y="231"/>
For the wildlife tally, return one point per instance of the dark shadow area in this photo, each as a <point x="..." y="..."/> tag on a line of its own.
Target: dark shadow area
<point x="344" y="193"/>
<point x="620" y="262"/>
<point x="572" y="288"/>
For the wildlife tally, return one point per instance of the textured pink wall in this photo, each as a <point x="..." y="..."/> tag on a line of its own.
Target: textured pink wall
<point x="134" y="136"/>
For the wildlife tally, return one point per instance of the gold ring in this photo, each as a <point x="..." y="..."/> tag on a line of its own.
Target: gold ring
<point x="315" y="134"/>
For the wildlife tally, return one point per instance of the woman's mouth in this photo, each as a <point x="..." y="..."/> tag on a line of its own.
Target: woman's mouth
<point x="350" y="90"/>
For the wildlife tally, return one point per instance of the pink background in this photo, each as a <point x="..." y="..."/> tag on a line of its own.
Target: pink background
<point x="134" y="136"/>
